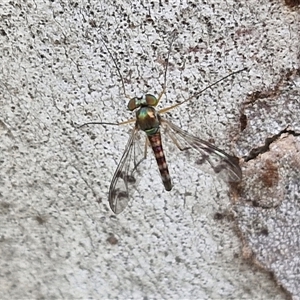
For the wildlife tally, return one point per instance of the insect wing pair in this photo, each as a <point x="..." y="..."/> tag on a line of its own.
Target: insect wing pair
<point x="201" y="153"/>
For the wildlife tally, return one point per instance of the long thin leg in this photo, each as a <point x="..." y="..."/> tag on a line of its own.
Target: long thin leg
<point x="164" y="110"/>
<point x="116" y="65"/>
<point x="107" y="123"/>
<point x="166" y="70"/>
<point x="145" y="154"/>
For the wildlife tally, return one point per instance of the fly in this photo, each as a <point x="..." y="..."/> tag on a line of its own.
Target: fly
<point x="148" y="120"/>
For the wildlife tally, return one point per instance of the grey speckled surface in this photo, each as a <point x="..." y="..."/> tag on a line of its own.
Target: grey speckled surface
<point x="59" y="238"/>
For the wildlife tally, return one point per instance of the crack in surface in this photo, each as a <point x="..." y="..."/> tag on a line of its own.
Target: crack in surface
<point x="268" y="141"/>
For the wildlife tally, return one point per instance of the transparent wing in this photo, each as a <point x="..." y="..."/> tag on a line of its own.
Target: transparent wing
<point x="127" y="173"/>
<point x="207" y="156"/>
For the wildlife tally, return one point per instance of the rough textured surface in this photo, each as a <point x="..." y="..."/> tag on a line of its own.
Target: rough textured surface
<point x="58" y="237"/>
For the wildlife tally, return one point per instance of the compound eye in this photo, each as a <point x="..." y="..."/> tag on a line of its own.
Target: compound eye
<point x="151" y="100"/>
<point x="133" y="104"/>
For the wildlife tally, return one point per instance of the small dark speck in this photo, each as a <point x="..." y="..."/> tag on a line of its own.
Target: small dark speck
<point x="5" y="205"/>
<point x="264" y="231"/>
<point x="2" y="32"/>
<point x="243" y="121"/>
<point x="112" y="240"/>
<point x="93" y="23"/>
<point x="178" y="259"/>
<point x="40" y="220"/>
<point x="218" y="216"/>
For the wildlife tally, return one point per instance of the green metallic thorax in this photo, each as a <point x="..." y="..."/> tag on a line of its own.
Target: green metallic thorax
<point x="147" y="119"/>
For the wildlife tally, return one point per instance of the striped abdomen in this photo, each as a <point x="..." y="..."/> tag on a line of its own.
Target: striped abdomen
<point x="155" y="141"/>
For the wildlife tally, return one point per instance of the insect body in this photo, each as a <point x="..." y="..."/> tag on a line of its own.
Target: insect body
<point x="150" y="121"/>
